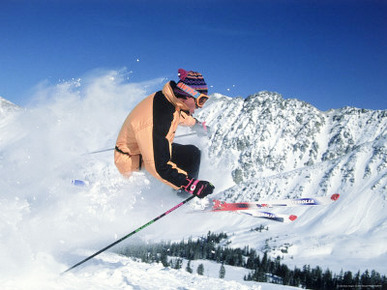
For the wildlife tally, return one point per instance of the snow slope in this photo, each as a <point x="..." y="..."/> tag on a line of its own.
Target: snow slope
<point x="47" y="224"/>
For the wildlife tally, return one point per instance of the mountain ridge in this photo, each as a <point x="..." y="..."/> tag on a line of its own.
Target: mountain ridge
<point x="7" y="107"/>
<point x="280" y="148"/>
<point x="272" y="135"/>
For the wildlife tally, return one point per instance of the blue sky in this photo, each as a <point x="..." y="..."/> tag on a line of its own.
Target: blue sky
<point x="328" y="53"/>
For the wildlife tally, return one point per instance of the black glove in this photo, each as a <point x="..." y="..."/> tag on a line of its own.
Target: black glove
<point x="199" y="188"/>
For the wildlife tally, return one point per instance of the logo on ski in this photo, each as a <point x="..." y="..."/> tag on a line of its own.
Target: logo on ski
<point x="219" y="205"/>
<point x="251" y="208"/>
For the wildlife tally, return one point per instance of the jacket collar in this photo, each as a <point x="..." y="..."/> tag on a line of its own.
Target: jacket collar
<point x="168" y="93"/>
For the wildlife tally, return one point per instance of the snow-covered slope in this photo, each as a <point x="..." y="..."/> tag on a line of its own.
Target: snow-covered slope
<point x="263" y="147"/>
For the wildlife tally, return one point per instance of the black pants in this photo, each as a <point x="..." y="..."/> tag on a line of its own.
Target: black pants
<point x="187" y="157"/>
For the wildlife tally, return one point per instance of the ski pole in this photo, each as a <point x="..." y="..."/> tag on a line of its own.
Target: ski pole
<point x="99" y="151"/>
<point x="130" y="234"/>
<point x="185" y="135"/>
<point x="111" y="149"/>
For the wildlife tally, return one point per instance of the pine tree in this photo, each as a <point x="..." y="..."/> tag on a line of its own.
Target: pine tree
<point x="222" y="271"/>
<point x="164" y="259"/>
<point x="177" y="264"/>
<point x="260" y="275"/>
<point x="264" y="263"/>
<point x="365" y="278"/>
<point x="328" y="280"/>
<point x="357" y="278"/>
<point x="375" y="278"/>
<point x="200" y="269"/>
<point x="347" y="278"/>
<point x="188" y="268"/>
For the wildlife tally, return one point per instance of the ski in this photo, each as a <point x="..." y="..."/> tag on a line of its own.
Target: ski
<point x="271" y="216"/>
<point x="237" y="206"/>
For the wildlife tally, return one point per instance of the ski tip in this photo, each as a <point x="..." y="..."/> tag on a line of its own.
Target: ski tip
<point x="335" y="196"/>
<point x="217" y="205"/>
<point x="292" y="217"/>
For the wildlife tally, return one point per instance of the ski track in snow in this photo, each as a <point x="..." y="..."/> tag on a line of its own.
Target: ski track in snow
<point x="47" y="224"/>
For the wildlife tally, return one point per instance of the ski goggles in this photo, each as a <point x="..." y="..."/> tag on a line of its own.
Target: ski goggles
<point x="200" y="98"/>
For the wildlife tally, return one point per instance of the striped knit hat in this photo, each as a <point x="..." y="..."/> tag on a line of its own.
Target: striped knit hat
<point x="193" y="79"/>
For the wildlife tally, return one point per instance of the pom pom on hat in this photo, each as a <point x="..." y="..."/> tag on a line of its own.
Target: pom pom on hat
<point x="182" y="74"/>
<point x="193" y="79"/>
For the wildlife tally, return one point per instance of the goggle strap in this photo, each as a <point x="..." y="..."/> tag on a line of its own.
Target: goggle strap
<point x="192" y="92"/>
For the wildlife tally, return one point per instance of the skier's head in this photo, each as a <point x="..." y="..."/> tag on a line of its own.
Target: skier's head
<point x="191" y="85"/>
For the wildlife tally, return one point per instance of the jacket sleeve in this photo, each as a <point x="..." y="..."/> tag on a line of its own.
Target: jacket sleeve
<point x="163" y="116"/>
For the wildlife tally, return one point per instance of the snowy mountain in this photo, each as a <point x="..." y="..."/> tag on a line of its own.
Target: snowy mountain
<point x="271" y="135"/>
<point x="7" y="110"/>
<point x="7" y="107"/>
<point x="285" y="148"/>
<point x="261" y="147"/>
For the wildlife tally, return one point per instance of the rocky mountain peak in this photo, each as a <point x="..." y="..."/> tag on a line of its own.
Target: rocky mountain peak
<point x="266" y="136"/>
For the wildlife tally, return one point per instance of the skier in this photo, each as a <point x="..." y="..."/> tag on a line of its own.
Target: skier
<point x="146" y="137"/>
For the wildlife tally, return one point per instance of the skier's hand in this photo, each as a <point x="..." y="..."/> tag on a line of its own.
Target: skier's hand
<point x="199" y="188"/>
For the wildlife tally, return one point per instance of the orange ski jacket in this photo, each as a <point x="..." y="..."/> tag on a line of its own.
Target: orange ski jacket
<point x="146" y="137"/>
